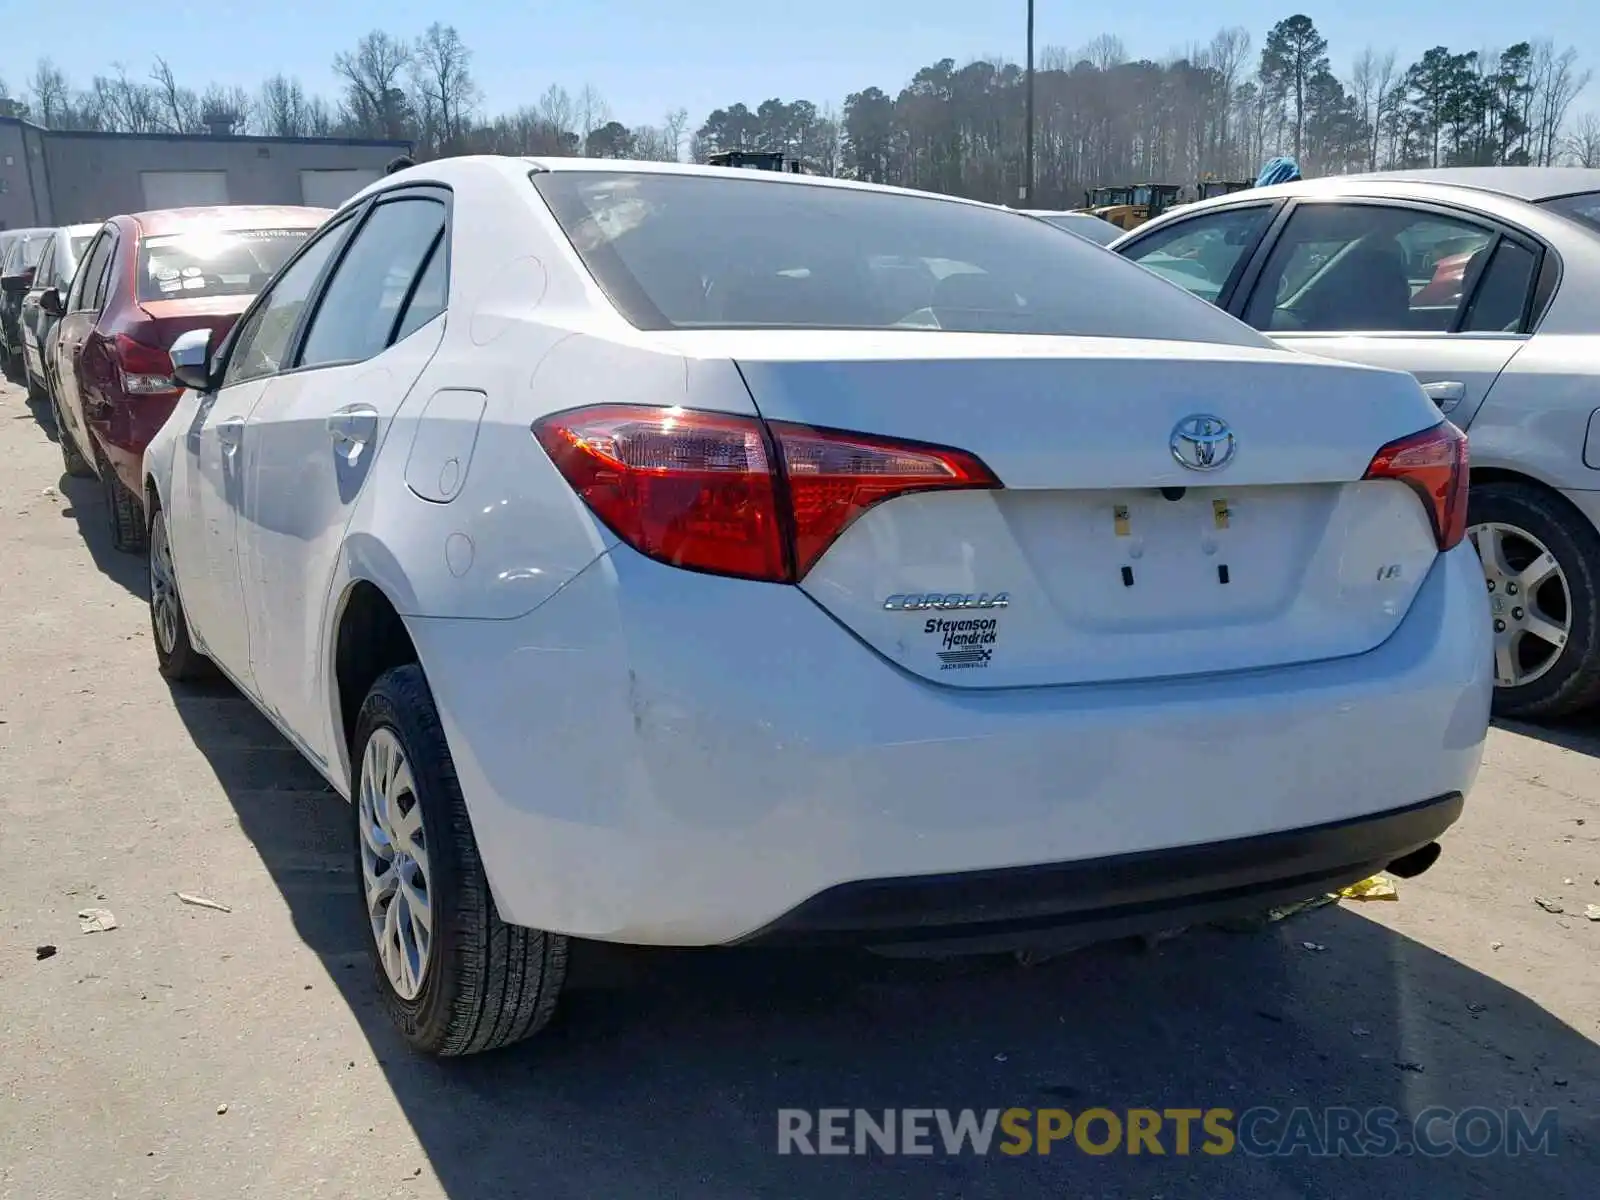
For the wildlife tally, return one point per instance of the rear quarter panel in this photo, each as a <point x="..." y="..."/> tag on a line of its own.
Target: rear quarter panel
<point x="1537" y="414"/>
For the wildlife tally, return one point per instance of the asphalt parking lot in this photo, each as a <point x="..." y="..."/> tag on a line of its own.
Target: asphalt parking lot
<point x="193" y="1052"/>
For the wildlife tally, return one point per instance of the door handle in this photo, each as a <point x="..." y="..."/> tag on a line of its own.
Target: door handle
<point x="229" y="432"/>
<point x="1446" y="393"/>
<point x="353" y="426"/>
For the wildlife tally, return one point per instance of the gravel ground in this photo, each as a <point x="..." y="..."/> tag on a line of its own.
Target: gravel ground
<point x="191" y="1052"/>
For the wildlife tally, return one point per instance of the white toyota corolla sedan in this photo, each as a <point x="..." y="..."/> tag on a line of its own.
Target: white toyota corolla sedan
<point x="690" y="556"/>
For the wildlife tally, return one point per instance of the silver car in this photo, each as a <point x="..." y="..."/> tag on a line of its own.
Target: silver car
<point x="1484" y="283"/>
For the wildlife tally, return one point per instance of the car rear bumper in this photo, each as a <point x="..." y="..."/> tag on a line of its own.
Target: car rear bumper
<point x="1118" y="896"/>
<point x="662" y="757"/>
<point x="124" y="428"/>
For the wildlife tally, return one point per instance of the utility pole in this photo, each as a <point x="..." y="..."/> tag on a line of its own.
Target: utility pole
<point x="1025" y="192"/>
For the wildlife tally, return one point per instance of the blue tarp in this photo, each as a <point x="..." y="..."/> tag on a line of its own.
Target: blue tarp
<point x="1279" y="170"/>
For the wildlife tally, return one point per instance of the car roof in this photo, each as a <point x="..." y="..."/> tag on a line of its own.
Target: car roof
<point x="1522" y="183"/>
<point x="228" y="216"/>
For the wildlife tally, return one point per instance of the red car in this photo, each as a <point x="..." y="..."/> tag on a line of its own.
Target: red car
<point x="143" y="280"/>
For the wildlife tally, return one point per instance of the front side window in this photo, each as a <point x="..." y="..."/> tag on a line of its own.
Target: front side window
<point x="1368" y="268"/>
<point x="1200" y="254"/>
<point x="702" y="252"/>
<point x="213" y="262"/>
<point x="360" y="310"/>
<point x="263" y="341"/>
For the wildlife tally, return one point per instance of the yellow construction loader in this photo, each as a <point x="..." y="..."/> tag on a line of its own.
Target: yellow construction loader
<point x="1127" y="207"/>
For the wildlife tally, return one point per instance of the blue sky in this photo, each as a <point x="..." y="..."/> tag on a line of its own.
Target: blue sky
<point x="648" y="56"/>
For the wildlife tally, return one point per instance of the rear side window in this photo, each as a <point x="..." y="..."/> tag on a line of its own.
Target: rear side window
<point x="86" y="282"/>
<point x="701" y="252"/>
<point x="1583" y="208"/>
<point x="213" y="262"/>
<point x="361" y="307"/>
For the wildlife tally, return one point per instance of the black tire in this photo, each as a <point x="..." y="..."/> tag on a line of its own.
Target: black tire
<point x="176" y="656"/>
<point x="487" y="984"/>
<point x="1572" y="683"/>
<point x="72" y="459"/>
<point x="124" y="510"/>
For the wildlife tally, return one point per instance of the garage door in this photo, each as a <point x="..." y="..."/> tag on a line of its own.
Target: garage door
<point x="331" y="188"/>
<point x="179" y="189"/>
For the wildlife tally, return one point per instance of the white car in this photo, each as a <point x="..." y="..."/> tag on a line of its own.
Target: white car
<point x="654" y="557"/>
<point x="1085" y="225"/>
<point x="1484" y="282"/>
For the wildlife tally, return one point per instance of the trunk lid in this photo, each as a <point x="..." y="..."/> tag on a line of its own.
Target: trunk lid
<point x="166" y="319"/>
<point x="1105" y="558"/>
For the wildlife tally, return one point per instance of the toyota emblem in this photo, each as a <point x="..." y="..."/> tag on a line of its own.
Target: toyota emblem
<point x="1202" y="442"/>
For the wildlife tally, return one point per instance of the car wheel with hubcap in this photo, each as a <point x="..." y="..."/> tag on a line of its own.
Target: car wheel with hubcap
<point x="1540" y="561"/>
<point x="176" y="656"/>
<point x="453" y="976"/>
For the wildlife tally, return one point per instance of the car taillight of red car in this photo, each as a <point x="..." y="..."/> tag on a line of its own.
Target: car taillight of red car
<point x="145" y="370"/>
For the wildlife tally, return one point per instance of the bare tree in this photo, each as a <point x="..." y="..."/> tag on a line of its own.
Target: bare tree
<point x="592" y="111"/>
<point x="374" y="103"/>
<point x="52" y="97"/>
<point x="282" y="108"/>
<point x="125" y="105"/>
<point x="555" y="108"/>
<point x="180" y="107"/>
<point x="1105" y="52"/>
<point x="1372" y="81"/>
<point x="441" y="67"/>
<point x="1556" y="83"/>
<point x="1226" y="55"/>
<point x="1583" y="142"/>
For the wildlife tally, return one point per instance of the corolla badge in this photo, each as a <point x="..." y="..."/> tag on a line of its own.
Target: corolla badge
<point x="1202" y="442"/>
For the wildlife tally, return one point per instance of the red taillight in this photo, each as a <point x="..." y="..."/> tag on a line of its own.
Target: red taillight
<point x="146" y="370"/>
<point x="734" y="496"/>
<point x="1434" y="463"/>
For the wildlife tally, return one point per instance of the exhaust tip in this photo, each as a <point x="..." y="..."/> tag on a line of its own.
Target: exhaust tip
<point x="1409" y="866"/>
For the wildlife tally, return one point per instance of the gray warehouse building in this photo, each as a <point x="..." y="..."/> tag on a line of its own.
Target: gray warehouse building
<point x="66" y="177"/>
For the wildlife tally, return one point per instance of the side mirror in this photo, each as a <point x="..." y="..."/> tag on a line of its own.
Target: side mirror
<point x="191" y="359"/>
<point x="15" y="285"/>
<point x="50" y="302"/>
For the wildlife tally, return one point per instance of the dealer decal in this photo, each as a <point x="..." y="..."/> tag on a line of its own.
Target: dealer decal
<point x="964" y="645"/>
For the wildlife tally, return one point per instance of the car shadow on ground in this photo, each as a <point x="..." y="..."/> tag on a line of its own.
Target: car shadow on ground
<point x="1580" y="734"/>
<point x="42" y="413"/>
<point x="86" y="504"/>
<point x="664" y="1072"/>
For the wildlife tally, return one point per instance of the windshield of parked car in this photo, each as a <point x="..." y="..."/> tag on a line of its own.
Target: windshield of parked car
<point x="1583" y="208"/>
<point x="213" y="262"/>
<point x="707" y="252"/>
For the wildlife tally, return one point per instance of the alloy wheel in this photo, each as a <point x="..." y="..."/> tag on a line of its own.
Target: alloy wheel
<point x="394" y="863"/>
<point x="163" y="585"/>
<point x="1530" y="602"/>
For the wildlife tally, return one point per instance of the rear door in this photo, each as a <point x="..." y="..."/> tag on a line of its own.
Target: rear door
<point x="312" y="438"/>
<point x="208" y="482"/>
<point x="1433" y="291"/>
<point x="82" y="311"/>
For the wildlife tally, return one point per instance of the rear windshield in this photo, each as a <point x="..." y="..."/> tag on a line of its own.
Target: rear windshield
<point x="25" y="253"/>
<point x="1583" y="208"/>
<point x="230" y="262"/>
<point x="702" y="252"/>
